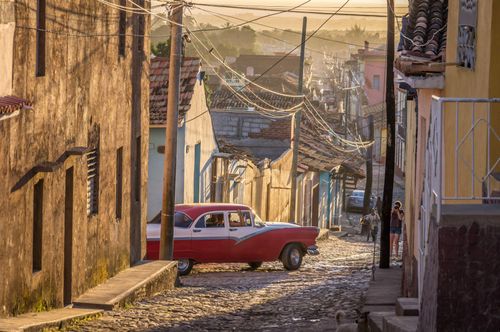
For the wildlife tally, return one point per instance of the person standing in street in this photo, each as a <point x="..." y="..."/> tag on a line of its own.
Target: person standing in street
<point x="373" y="220"/>
<point x="375" y="224"/>
<point x="365" y="227"/>
<point x="395" y="230"/>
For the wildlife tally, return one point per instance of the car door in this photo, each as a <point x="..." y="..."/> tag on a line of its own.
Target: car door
<point x="209" y="238"/>
<point x="240" y="231"/>
<point x="182" y="235"/>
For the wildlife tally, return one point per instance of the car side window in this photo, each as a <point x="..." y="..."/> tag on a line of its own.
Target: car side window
<point x="240" y="219"/>
<point x="211" y="220"/>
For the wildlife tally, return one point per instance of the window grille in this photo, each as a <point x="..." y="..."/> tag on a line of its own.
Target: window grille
<point x="92" y="182"/>
<point x="37" y="225"/>
<point x="40" y="38"/>
<point x="119" y="182"/>
<point x="122" y="29"/>
<point x="467" y="29"/>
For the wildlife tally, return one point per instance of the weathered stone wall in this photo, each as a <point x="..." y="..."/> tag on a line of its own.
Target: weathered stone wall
<point x="461" y="285"/>
<point x="86" y="85"/>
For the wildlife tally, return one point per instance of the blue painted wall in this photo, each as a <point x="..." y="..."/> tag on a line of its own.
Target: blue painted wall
<point x="155" y="170"/>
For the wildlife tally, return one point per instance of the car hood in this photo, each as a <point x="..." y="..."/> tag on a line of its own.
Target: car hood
<point x="275" y="224"/>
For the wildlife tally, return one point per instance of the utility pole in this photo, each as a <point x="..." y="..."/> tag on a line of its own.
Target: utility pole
<point x="296" y="124"/>
<point x="168" y="202"/>
<point x="369" y="168"/>
<point x="391" y="141"/>
<point x="347" y="116"/>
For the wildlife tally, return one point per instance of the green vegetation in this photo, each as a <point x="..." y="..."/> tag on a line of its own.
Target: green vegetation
<point x="227" y="42"/>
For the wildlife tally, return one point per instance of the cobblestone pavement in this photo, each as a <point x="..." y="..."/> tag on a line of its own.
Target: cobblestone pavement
<point x="231" y="297"/>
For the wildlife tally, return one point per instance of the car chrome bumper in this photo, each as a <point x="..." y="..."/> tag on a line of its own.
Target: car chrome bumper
<point x="313" y="251"/>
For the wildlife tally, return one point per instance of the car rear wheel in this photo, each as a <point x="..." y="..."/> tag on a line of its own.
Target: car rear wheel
<point x="255" y="265"/>
<point x="292" y="257"/>
<point x="184" y="266"/>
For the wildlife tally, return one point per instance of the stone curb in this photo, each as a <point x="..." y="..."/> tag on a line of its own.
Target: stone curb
<point x="57" y="318"/>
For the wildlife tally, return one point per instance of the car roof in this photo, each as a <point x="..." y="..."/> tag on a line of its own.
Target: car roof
<point x="196" y="209"/>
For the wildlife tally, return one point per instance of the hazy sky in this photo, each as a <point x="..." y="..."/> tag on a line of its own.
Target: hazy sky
<point x="294" y="21"/>
<point x="328" y="3"/>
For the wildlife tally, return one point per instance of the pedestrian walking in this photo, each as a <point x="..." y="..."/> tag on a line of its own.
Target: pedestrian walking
<point x="373" y="219"/>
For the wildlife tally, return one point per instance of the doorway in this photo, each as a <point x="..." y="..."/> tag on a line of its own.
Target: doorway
<point x="197" y="162"/>
<point x="68" y="236"/>
<point x="315" y="205"/>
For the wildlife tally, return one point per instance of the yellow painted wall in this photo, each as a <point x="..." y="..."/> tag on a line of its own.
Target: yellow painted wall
<point x="410" y="179"/>
<point x="483" y="81"/>
<point x="495" y="80"/>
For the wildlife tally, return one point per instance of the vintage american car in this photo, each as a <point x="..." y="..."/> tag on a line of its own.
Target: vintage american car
<point x="215" y="232"/>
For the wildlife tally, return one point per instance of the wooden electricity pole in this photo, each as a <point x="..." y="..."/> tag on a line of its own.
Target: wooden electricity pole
<point x="369" y="168"/>
<point x="168" y="202"/>
<point x="391" y="141"/>
<point x="296" y="125"/>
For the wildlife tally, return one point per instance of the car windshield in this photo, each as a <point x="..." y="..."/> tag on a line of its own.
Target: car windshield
<point x="256" y="219"/>
<point x="182" y="220"/>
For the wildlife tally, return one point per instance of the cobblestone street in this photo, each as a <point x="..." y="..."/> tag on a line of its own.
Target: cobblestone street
<point x="230" y="297"/>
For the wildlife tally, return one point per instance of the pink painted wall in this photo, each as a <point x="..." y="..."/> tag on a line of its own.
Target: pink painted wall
<point x="374" y="65"/>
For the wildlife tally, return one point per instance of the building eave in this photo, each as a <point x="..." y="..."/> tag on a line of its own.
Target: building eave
<point x="434" y="81"/>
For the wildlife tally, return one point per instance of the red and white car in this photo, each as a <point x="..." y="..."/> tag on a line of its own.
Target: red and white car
<point x="214" y="232"/>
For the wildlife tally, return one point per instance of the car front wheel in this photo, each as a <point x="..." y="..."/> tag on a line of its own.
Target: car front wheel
<point x="184" y="266"/>
<point x="292" y="257"/>
<point x="254" y="265"/>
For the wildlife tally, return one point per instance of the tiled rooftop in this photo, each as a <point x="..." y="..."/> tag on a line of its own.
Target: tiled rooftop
<point x="10" y="104"/>
<point x="317" y="153"/>
<point x="159" y="87"/>
<point x="426" y="28"/>
<point x="225" y="99"/>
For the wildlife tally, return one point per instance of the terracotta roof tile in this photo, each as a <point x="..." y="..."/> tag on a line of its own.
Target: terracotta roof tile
<point x="426" y="29"/>
<point x="158" y="89"/>
<point x="10" y="104"/>
<point x="225" y="99"/>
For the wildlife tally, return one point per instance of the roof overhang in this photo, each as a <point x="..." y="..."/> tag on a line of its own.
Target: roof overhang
<point x="434" y="81"/>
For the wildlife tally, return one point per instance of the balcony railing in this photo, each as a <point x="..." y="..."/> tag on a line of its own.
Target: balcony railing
<point x="462" y="158"/>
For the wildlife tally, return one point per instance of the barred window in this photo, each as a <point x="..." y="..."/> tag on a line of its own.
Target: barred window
<point x="40" y="38"/>
<point x="122" y="29"/>
<point x="92" y="182"/>
<point x="37" y="225"/>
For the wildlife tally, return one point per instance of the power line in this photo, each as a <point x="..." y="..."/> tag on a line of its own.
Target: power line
<point x="283" y="30"/>
<point x="259" y="18"/>
<point x="291" y="51"/>
<point x="242" y="76"/>
<point x="221" y="16"/>
<point x="245" y="100"/>
<point x="337" y="12"/>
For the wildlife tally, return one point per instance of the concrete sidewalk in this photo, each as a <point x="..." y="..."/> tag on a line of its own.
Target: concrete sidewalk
<point x="129" y="285"/>
<point x="135" y="283"/>
<point x="57" y="318"/>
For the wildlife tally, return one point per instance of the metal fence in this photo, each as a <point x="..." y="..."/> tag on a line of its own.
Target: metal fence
<point x="466" y="173"/>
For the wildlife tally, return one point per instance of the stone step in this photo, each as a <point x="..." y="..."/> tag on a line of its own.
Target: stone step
<point x="393" y="323"/>
<point x="132" y="284"/>
<point x="53" y="319"/>
<point x="407" y="306"/>
<point x="376" y="320"/>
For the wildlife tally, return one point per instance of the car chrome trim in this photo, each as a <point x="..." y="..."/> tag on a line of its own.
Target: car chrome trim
<point x="259" y="232"/>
